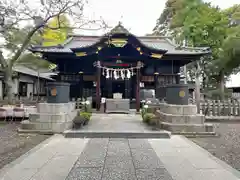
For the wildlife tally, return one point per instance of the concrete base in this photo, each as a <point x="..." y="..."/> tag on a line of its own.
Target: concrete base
<point x="182" y="119"/>
<point x="55" y="118"/>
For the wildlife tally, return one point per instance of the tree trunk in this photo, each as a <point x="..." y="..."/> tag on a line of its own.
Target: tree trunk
<point x="197" y="87"/>
<point x="222" y="85"/>
<point x="9" y="85"/>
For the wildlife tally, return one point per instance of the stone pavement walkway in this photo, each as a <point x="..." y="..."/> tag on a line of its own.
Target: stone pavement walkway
<point x="60" y="158"/>
<point x="116" y="122"/>
<point x="117" y="125"/>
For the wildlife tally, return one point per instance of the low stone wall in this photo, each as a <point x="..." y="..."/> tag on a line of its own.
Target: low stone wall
<point x="51" y="117"/>
<point x="178" y="109"/>
<point x="181" y="119"/>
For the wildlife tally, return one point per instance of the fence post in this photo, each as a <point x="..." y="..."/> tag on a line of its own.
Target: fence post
<point x="213" y="108"/>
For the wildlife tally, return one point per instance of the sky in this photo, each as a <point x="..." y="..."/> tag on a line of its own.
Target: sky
<point x="138" y="16"/>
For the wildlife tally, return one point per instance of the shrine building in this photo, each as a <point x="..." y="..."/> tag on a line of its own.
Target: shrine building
<point x="119" y="62"/>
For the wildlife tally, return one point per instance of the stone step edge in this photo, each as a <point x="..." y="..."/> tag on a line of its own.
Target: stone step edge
<point x="200" y="125"/>
<point x="87" y="134"/>
<point x="35" y="131"/>
<point x="179" y="115"/>
<point x="198" y="134"/>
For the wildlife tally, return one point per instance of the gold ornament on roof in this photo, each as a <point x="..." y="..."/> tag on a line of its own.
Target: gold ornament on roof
<point x="81" y="54"/>
<point x="154" y="55"/>
<point x="119" y="42"/>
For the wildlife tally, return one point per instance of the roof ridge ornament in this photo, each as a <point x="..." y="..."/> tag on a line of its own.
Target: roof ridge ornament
<point x="119" y="29"/>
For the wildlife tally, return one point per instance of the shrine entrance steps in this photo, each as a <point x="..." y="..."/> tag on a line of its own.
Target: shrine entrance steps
<point x="116" y="126"/>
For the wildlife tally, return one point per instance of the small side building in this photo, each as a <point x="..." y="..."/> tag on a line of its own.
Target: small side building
<point x="27" y="82"/>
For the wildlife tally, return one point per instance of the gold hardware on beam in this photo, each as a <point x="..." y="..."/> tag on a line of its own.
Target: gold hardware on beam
<point x="156" y="55"/>
<point x="99" y="48"/>
<point x="138" y="48"/>
<point x="81" y="54"/>
<point x="141" y="53"/>
<point x="156" y="73"/>
<point x="80" y="72"/>
<point x="96" y="52"/>
<point x="119" y="42"/>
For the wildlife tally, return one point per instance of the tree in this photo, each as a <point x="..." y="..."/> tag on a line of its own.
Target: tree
<point x="201" y="24"/>
<point x="52" y="37"/>
<point x="15" y="13"/>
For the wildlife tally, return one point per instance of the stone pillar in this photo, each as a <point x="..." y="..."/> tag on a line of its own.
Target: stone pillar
<point x="177" y="94"/>
<point x="58" y="92"/>
<point x="98" y="85"/>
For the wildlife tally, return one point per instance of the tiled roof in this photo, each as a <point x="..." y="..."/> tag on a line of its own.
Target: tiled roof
<point x="31" y="72"/>
<point x="155" y="42"/>
<point x="158" y="43"/>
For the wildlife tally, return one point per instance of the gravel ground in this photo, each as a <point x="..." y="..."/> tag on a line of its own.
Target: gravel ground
<point x="226" y="146"/>
<point x="13" y="145"/>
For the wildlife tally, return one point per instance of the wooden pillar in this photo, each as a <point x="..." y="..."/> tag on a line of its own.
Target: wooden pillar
<point x="98" y="85"/>
<point x="137" y="87"/>
<point x="126" y="81"/>
<point x="156" y="74"/>
<point x="109" y="88"/>
<point x="81" y="85"/>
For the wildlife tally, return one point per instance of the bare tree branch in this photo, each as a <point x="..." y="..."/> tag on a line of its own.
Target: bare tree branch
<point x="40" y="12"/>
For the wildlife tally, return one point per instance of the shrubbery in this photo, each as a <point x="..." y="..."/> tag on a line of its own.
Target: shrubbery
<point x="83" y="116"/>
<point x="148" y="116"/>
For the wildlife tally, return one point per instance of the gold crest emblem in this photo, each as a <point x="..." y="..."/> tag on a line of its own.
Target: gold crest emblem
<point x="53" y="91"/>
<point x="182" y="94"/>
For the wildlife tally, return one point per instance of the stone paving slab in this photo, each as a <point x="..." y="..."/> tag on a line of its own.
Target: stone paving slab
<point x="124" y="160"/>
<point x="185" y="160"/>
<point x="51" y="161"/>
<point x="62" y="158"/>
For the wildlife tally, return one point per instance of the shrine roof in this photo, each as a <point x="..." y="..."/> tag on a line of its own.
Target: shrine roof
<point x="152" y="42"/>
